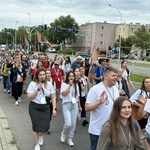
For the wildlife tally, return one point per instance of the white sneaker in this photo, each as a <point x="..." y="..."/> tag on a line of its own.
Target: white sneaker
<point x="63" y="137"/>
<point x="41" y="140"/>
<point x="37" y="147"/>
<point x="70" y="142"/>
<point x="16" y="103"/>
<point x="19" y="99"/>
<point x="5" y="90"/>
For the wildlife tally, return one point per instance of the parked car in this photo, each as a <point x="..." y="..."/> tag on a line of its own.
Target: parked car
<point x="51" y="50"/>
<point x="82" y="54"/>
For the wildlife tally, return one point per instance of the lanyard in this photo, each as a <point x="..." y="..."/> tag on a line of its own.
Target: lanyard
<point x="56" y="72"/>
<point x="127" y="142"/>
<point x="112" y="96"/>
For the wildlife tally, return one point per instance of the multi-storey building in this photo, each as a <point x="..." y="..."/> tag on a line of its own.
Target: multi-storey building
<point x="104" y="35"/>
<point x="100" y="34"/>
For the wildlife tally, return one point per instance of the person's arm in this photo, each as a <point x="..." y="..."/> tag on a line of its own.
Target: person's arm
<point x="130" y="83"/>
<point x="33" y="94"/>
<point x="66" y="91"/>
<point x="104" y="138"/>
<point x="53" y="99"/>
<point x="93" y="106"/>
<point x="141" y="112"/>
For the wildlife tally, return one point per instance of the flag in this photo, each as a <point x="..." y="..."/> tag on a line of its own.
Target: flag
<point x="42" y="39"/>
<point x="94" y="54"/>
<point x="27" y="41"/>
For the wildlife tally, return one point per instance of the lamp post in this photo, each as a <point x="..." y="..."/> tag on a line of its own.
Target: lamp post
<point x="16" y="34"/>
<point x="12" y="37"/>
<point x="29" y="36"/>
<point x="120" y="29"/>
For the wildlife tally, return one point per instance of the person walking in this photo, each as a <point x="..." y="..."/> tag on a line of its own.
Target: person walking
<point x="58" y="76"/>
<point x="120" y="131"/>
<point x="70" y="104"/>
<point x="126" y="74"/>
<point x="18" y="74"/>
<point x="99" y="102"/>
<point x="40" y="92"/>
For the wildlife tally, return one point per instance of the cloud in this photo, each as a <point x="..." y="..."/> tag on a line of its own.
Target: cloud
<point x="46" y="11"/>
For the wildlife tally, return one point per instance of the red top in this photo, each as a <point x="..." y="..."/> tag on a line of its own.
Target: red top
<point x="45" y="64"/>
<point x="57" y="76"/>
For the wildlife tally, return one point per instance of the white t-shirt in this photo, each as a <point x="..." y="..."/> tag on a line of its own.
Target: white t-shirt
<point x="101" y="114"/>
<point x="71" y="94"/>
<point x="48" y="90"/>
<point x="147" y="109"/>
<point x="125" y="74"/>
<point x="34" y="62"/>
<point x="136" y="95"/>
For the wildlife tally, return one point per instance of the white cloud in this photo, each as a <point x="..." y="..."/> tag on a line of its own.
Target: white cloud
<point x="83" y="11"/>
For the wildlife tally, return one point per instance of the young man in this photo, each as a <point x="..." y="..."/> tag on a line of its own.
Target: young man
<point x="99" y="102"/>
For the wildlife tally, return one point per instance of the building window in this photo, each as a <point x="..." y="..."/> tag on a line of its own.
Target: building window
<point x="132" y="30"/>
<point x="101" y="35"/>
<point x="101" y="42"/>
<point x="102" y="28"/>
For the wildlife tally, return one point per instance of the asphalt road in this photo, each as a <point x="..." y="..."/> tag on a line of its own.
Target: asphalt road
<point x="132" y="67"/>
<point x="20" y="124"/>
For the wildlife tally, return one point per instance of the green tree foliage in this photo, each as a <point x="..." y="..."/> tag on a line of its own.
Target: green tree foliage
<point x="141" y="39"/>
<point x="126" y="45"/>
<point x="64" y="36"/>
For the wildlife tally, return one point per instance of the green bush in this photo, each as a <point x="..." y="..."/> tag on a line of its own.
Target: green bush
<point x="148" y="59"/>
<point x="67" y="52"/>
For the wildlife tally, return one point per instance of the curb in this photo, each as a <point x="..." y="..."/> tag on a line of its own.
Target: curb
<point x="6" y="136"/>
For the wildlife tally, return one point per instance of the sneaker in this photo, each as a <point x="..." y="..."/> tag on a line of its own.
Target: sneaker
<point x="85" y="122"/>
<point x="63" y="137"/>
<point x="70" y="142"/>
<point x="37" y="147"/>
<point x="5" y="90"/>
<point x="16" y="103"/>
<point x="41" y="140"/>
<point x="19" y="99"/>
<point x="8" y="91"/>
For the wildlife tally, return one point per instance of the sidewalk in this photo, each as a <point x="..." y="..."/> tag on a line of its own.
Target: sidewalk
<point x="6" y="138"/>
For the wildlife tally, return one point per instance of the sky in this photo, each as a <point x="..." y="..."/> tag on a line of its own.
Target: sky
<point x="15" y="13"/>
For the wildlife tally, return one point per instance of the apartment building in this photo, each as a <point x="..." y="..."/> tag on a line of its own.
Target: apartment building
<point x="102" y="34"/>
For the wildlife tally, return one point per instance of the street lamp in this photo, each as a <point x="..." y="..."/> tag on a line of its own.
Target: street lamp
<point x="29" y="32"/>
<point x="16" y="34"/>
<point x="120" y="29"/>
<point x="12" y="37"/>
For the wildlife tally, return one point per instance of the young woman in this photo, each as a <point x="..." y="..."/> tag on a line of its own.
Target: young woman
<point x="126" y="73"/>
<point x="120" y="131"/>
<point x="70" y="104"/>
<point x="39" y="108"/>
<point x="83" y="88"/>
<point x="18" y="74"/>
<point x="67" y="65"/>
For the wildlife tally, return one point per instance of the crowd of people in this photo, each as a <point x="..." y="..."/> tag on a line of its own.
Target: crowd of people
<point x="82" y="87"/>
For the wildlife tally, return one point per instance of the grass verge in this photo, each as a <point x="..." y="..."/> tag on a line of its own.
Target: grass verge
<point x="137" y="77"/>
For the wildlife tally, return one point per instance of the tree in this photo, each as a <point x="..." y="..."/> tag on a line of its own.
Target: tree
<point x="126" y="44"/>
<point x="141" y="39"/>
<point x="64" y="36"/>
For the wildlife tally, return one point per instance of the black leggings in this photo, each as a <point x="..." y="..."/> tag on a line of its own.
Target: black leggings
<point x="17" y="89"/>
<point x="82" y="102"/>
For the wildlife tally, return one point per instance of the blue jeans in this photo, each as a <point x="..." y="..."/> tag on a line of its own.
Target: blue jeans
<point x="93" y="141"/>
<point x="6" y="82"/>
<point x="70" y="112"/>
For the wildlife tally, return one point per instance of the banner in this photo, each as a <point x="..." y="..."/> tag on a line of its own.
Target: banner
<point x="42" y="39"/>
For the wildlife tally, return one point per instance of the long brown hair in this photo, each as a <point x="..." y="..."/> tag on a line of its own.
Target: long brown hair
<point x="67" y="80"/>
<point x="115" y="120"/>
<point x="143" y="82"/>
